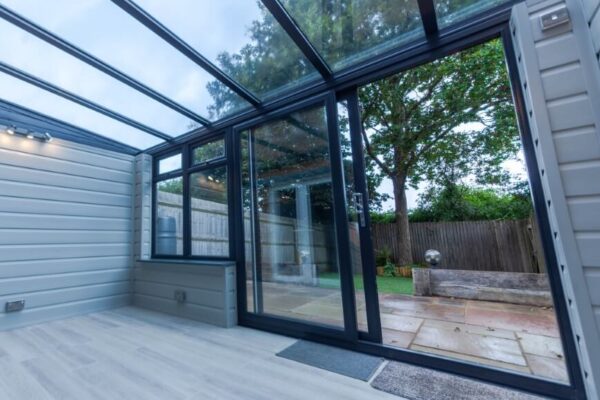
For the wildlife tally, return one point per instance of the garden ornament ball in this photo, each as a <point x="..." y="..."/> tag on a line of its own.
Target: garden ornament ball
<point x="433" y="257"/>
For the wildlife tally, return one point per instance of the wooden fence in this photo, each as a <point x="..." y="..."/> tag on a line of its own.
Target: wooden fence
<point x="510" y="245"/>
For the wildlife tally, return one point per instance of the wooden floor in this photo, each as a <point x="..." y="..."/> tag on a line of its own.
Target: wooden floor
<point x="130" y="353"/>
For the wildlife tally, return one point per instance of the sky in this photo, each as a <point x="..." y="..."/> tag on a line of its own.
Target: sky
<point x="107" y="32"/>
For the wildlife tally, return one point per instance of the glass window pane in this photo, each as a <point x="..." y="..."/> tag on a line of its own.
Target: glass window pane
<point x="46" y="62"/>
<point x="240" y="37"/>
<point x="287" y="175"/>
<point x="210" y="217"/>
<point x="451" y="11"/>
<point x="348" y="31"/>
<point x="209" y="151"/>
<point x="29" y="96"/>
<point x="169" y="164"/>
<point x="169" y="217"/>
<point x="109" y="33"/>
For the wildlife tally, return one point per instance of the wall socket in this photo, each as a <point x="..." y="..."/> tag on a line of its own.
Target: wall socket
<point x="12" y="306"/>
<point x="180" y="296"/>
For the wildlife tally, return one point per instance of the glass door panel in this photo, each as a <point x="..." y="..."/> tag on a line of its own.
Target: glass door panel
<point x="292" y="265"/>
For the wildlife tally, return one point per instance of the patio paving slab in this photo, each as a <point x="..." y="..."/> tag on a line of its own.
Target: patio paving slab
<point x="457" y="341"/>
<point x="550" y="368"/>
<point x="541" y="345"/>
<point x="535" y="321"/>
<point x="397" y="338"/>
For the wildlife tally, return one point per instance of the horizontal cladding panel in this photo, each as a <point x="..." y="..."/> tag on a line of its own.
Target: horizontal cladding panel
<point x="588" y="244"/>
<point x="563" y="81"/>
<point x="207" y="298"/>
<point x="571" y="112"/>
<point x="585" y="213"/>
<point x="38" y="252"/>
<point x="55" y="207"/>
<point x="581" y="179"/>
<point x="198" y="280"/>
<point x="592" y="276"/>
<point x="67" y="295"/>
<point x="577" y="145"/>
<point x="39" y="236"/>
<point x="34" y="191"/>
<point x="48" y="313"/>
<point x="53" y="179"/>
<point x="70" y="152"/>
<point x="557" y="51"/>
<point x="16" y="269"/>
<point x="19" y="286"/>
<point x="29" y="221"/>
<point x="193" y="311"/>
<point x="55" y="165"/>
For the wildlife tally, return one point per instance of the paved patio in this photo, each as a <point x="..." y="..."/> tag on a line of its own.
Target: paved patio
<point x="509" y="336"/>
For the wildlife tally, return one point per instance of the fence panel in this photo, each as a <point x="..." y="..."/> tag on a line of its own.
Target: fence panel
<point x="511" y="245"/>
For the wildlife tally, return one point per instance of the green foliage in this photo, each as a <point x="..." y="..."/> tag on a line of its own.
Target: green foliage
<point x="389" y="269"/>
<point x="463" y="203"/>
<point x="383" y="257"/>
<point x="174" y="186"/>
<point x="444" y="120"/>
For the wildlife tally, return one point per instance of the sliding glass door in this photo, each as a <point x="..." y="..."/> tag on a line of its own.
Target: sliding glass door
<point x="292" y="263"/>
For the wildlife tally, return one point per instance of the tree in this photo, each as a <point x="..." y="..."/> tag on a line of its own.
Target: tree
<point x="446" y="119"/>
<point x="440" y="122"/>
<point x="458" y="202"/>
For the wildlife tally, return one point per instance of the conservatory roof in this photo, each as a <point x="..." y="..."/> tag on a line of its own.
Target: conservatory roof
<point x="132" y="76"/>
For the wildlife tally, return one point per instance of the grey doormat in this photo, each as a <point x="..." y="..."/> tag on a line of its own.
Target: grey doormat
<point x="344" y="362"/>
<point x="417" y="383"/>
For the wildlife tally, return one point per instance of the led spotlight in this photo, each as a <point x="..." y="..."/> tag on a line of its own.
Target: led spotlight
<point x="30" y="136"/>
<point x="10" y="131"/>
<point x="48" y="137"/>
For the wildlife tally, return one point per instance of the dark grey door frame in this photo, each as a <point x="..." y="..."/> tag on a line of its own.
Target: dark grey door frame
<point x="370" y="344"/>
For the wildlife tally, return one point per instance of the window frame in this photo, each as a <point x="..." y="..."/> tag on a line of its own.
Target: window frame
<point x="187" y="169"/>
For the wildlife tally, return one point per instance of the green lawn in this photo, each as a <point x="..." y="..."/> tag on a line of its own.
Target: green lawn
<point x="385" y="284"/>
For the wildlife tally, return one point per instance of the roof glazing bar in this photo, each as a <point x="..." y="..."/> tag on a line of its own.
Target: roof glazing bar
<point x="168" y="36"/>
<point x="427" y="10"/>
<point x="17" y="73"/>
<point x="80" y="54"/>
<point x="295" y="33"/>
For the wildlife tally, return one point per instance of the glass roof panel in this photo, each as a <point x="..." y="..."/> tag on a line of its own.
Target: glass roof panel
<point x="36" y="99"/>
<point x="449" y="12"/>
<point x="24" y="51"/>
<point x="345" y="32"/>
<point x="109" y="33"/>
<point x="240" y="37"/>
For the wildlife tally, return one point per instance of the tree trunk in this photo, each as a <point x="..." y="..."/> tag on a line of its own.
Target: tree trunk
<point x="404" y="253"/>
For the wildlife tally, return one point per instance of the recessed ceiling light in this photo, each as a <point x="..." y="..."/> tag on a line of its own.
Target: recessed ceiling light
<point x="10" y="131"/>
<point x="30" y="136"/>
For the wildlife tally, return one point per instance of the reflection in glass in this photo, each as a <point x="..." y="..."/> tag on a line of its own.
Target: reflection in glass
<point x="353" y="218"/>
<point x="345" y="32"/>
<point x="210" y="220"/>
<point x="243" y="39"/>
<point x="169" y="217"/>
<point x="109" y="33"/>
<point x="40" y="59"/>
<point x="289" y="203"/>
<point x="169" y="164"/>
<point x="209" y="151"/>
<point x="451" y="11"/>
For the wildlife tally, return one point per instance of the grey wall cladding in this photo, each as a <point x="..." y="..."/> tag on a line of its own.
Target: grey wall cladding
<point x="209" y="286"/>
<point x="65" y="229"/>
<point x="561" y="78"/>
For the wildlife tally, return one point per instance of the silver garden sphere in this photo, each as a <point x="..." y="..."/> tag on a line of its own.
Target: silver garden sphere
<point x="433" y="257"/>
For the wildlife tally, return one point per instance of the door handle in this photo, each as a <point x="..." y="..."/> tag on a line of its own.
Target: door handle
<point x="359" y="205"/>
